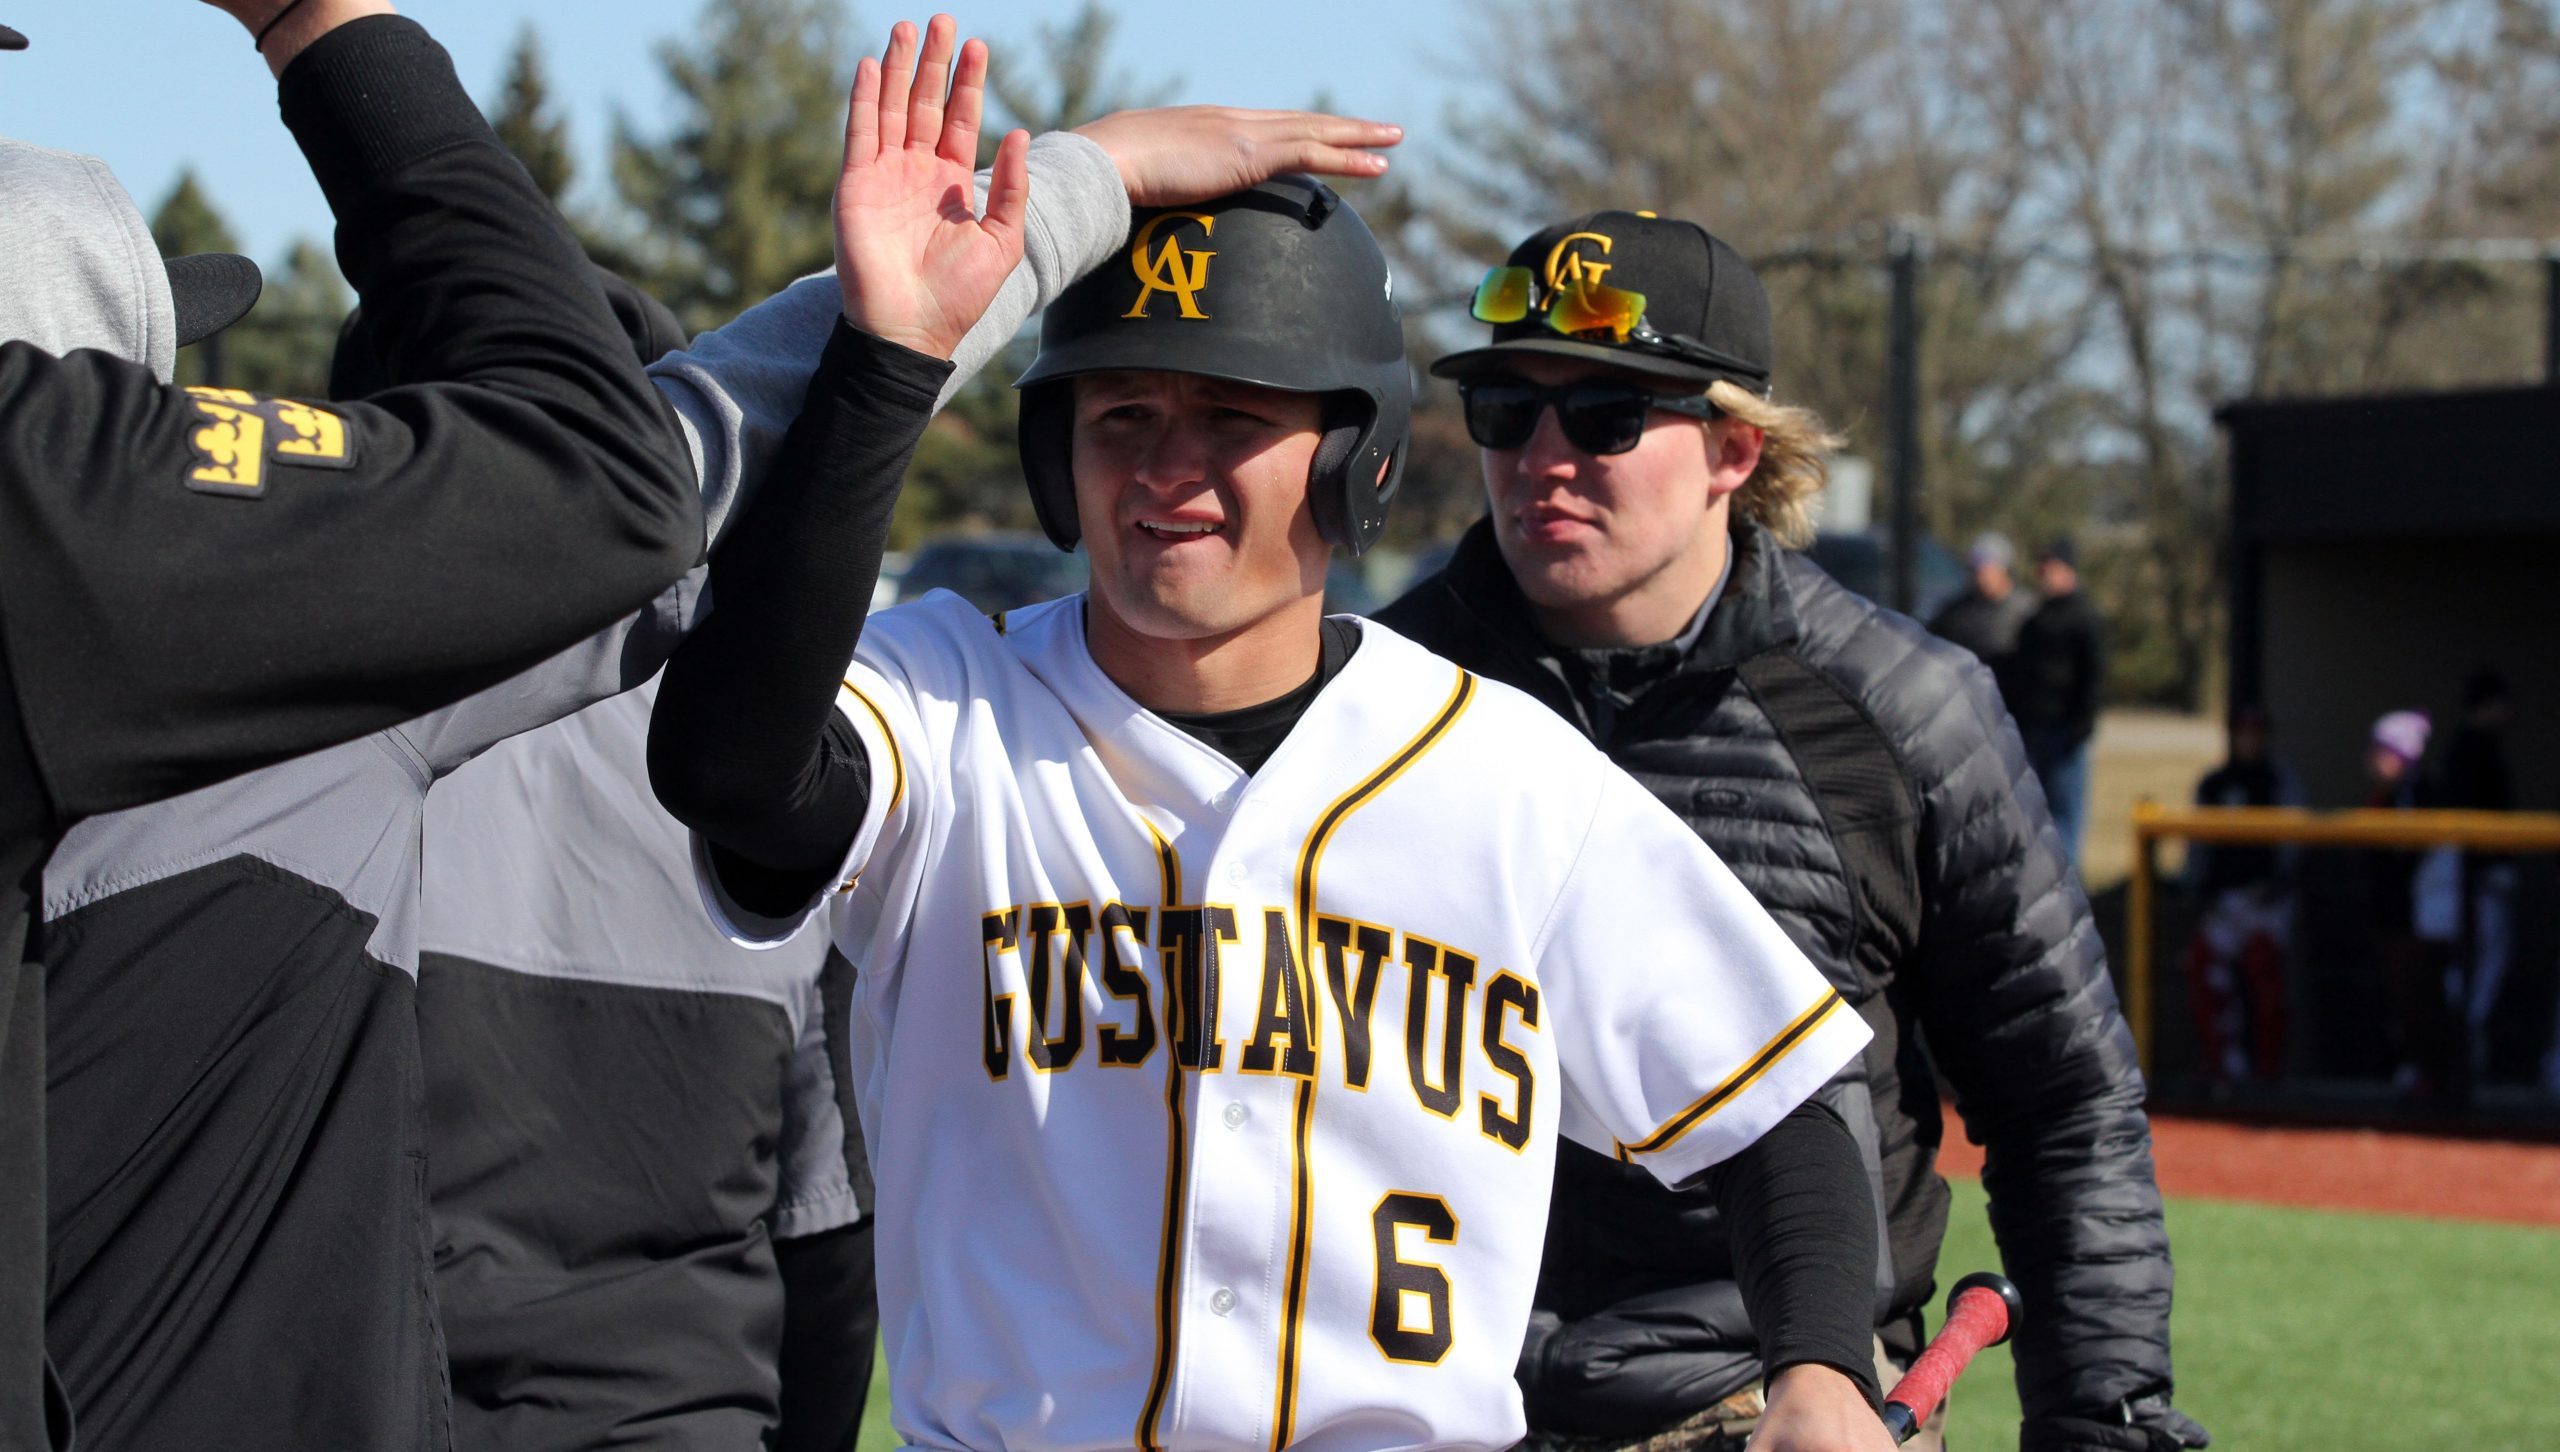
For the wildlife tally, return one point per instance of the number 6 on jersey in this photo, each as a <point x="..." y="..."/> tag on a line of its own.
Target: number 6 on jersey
<point x="1406" y="1287"/>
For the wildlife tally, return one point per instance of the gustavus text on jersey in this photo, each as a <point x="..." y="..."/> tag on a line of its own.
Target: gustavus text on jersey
<point x="1072" y="986"/>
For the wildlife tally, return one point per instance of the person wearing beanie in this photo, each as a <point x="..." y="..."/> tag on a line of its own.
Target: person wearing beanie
<point x="1986" y="617"/>
<point x="2406" y="904"/>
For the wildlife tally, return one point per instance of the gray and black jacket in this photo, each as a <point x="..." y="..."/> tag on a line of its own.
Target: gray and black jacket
<point x="1862" y="778"/>
<point x="194" y="584"/>
<point x="629" y="1116"/>
<point x="241" y="1240"/>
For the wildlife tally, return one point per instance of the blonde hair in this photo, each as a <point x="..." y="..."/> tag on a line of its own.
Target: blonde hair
<point x="1795" y="462"/>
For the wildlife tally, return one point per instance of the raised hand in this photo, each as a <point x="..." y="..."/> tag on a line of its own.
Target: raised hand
<point x="1176" y="154"/>
<point x="916" y="262"/>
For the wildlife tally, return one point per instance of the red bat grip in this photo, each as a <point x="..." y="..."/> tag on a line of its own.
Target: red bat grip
<point x="1977" y="1318"/>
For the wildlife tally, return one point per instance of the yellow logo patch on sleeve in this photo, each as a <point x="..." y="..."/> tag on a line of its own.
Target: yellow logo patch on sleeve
<point x="240" y="437"/>
<point x="312" y="436"/>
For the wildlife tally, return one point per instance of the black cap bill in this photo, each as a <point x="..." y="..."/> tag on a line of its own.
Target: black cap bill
<point x="212" y="291"/>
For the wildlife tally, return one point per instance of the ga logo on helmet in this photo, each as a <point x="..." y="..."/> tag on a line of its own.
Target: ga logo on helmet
<point x="1171" y="268"/>
<point x="1569" y="265"/>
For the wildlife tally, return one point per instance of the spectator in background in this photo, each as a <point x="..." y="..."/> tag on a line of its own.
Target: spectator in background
<point x="2052" y="683"/>
<point x="2413" y="962"/>
<point x="1985" y="618"/>
<point x="2483" y="885"/>
<point x="2244" y="899"/>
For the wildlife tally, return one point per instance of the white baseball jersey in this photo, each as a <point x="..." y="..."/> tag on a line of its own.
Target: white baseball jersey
<point x="1209" y="1110"/>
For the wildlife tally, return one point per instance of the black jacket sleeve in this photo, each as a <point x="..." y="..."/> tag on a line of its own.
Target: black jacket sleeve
<point x="195" y="583"/>
<point x="746" y="746"/>
<point x="2010" y="983"/>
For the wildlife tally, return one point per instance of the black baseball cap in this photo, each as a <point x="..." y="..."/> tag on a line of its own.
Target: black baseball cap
<point x="1697" y="290"/>
<point x="11" y="40"/>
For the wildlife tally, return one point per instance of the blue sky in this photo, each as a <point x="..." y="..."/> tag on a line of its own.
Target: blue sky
<point x="155" y="85"/>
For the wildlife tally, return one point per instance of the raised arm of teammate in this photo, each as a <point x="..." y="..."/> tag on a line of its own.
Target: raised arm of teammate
<point x="915" y="267"/>
<point x="195" y="583"/>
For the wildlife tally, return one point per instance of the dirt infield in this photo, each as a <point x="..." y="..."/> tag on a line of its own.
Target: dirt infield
<point x="2340" y="1169"/>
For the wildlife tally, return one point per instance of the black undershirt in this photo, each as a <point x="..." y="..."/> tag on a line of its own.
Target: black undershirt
<point x="1248" y="735"/>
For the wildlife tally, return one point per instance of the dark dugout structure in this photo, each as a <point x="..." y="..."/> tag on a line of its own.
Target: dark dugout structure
<point x="2382" y="550"/>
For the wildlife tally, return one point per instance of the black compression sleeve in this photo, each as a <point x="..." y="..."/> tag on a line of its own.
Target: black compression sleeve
<point x="1804" y="1243"/>
<point x="739" y="746"/>
<point x="830" y="1320"/>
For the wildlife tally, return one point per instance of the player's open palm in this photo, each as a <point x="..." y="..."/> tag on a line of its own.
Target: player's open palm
<point x="917" y="264"/>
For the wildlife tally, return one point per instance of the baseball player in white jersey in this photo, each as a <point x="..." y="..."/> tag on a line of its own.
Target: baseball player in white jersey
<point x="1227" y="972"/>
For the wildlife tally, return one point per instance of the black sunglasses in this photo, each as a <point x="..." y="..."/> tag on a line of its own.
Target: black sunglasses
<point x="1597" y="418"/>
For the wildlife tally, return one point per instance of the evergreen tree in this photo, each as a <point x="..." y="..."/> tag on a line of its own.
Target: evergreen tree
<point x="527" y="122"/>
<point x="185" y="223"/>
<point x="188" y="222"/>
<point x="735" y="200"/>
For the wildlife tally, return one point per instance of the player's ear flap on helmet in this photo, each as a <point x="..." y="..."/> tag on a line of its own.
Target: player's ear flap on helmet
<point x="1355" y="472"/>
<point x="1045" y="439"/>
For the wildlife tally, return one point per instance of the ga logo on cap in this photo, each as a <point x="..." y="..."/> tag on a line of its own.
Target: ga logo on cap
<point x="1569" y="265"/>
<point x="1172" y="268"/>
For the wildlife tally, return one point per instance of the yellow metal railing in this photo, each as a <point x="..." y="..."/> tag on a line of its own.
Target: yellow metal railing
<point x="2281" y="826"/>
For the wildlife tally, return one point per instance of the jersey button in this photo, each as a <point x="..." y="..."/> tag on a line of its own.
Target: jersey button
<point x="1222" y="1300"/>
<point x="1235" y="872"/>
<point x="1234" y="1116"/>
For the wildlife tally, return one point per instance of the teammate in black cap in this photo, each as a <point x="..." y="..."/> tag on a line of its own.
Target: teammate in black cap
<point x="1646" y="485"/>
<point x="197" y="582"/>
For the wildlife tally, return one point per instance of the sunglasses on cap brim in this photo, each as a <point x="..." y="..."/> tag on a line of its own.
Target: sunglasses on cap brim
<point x="1592" y="312"/>
<point x="1597" y="417"/>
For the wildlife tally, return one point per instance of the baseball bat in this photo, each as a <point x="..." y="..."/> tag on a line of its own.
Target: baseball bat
<point x="1981" y="1311"/>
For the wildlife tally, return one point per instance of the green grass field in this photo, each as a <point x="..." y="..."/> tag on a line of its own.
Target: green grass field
<point x="2304" y="1331"/>
<point x="2326" y="1331"/>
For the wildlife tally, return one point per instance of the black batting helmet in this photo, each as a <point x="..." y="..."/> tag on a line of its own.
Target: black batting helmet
<point x="1280" y="286"/>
